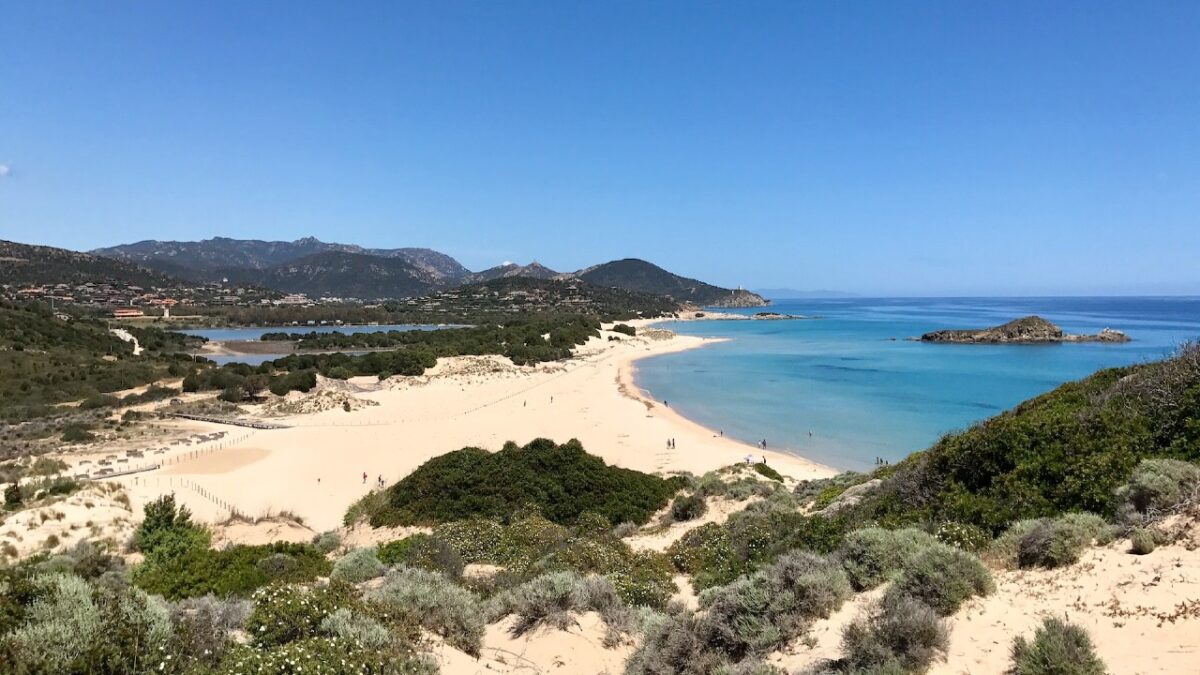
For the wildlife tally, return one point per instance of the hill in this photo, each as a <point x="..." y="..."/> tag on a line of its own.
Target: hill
<point x="342" y="274"/>
<point x="222" y="257"/>
<point x="1067" y="450"/>
<point x="638" y="275"/>
<point x="23" y="264"/>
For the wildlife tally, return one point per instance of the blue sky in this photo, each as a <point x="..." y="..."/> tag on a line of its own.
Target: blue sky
<point x="889" y="148"/>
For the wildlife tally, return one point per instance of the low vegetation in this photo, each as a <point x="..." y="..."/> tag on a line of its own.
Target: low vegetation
<point x="561" y="481"/>
<point x="1058" y="648"/>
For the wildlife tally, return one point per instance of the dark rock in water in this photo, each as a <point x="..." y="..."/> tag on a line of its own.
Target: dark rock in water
<point x="1026" y="330"/>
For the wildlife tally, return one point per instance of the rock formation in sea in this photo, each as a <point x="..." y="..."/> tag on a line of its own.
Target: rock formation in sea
<point x="1026" y="330"/>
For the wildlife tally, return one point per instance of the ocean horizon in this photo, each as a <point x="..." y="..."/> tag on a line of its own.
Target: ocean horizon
<point x="847" y="386"/>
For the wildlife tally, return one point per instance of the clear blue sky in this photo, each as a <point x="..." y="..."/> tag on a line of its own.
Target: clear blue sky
<point x="889" y="148"/>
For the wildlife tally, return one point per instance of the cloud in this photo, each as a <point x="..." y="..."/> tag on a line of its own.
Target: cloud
<point x="5" y="170"/>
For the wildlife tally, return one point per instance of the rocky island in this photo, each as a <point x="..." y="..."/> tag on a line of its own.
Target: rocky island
<point x="1026" y="330"/>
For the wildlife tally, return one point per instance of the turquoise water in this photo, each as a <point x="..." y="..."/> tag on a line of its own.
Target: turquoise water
<point x="864" y="391"/>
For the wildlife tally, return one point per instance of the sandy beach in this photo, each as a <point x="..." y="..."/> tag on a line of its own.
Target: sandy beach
<point x="315" y="468"/>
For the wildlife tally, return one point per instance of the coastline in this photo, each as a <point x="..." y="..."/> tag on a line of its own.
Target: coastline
<point x="314" y="468"/>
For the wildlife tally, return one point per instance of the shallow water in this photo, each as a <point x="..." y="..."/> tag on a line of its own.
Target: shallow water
<point x="864" y="391"/>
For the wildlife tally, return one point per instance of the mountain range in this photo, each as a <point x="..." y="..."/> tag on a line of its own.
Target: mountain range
<point x="319" y="268"/>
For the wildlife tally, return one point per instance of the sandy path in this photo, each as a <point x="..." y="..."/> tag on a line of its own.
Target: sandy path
<point x="316" y="468"/>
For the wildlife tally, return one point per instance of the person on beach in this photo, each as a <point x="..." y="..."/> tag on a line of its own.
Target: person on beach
<point x="364" y="478"/>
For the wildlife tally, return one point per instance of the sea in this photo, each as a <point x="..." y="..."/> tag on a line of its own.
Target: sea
<point x="847" y="387"/>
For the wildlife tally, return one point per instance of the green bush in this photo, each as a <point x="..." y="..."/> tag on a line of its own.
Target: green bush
<point x="562" y="480"/>
<point x="423" y="551"/>
<point x="434" y="602"/>
<point x="1051" y="544"/>
<point x="901" y="635"/>
<point x="76" y="433"/>
<point x="327" y="542"/>
<point x="1058" y="648"/>
<point x="1142" y="541"/>
<point x="199" y="571"/>
<point x="943" y="577"/>
<point x="966" y="536"/>
<point x="357" y="566"/>
<point x="707" y="553"/>
<point x="527" y="540"/>
<point x="764" y="470"/>
<point x="625" y="329"/>
<point x="475" y="540"/>
<point x="871" y="555"/>
<point x="12" y="497"/>
<point x="285" y="613"/>
<point x="688" y="507"/>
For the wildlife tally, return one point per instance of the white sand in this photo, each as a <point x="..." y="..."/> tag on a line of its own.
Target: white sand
<point x="315" y="469"/>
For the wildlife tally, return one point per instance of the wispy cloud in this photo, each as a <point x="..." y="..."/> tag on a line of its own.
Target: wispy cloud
<point x="5" y="170"/>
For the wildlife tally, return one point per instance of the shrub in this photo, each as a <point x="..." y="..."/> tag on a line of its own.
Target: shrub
<point x="625" y="329"/>
<point x="327" y="542"/>
<point x="60" y="625"/>
<point x="768" y="472"/>
<point x="943" y="577"/>
<point x="357" y="566"/>
<point x="12" y="497"/>
<point x="552" y="598"/>
<point x="433" y="602"/>
<point x="345" y="624"/>
<point x="167" y="531"/>
<point x="528" y="539"/>
<point x="625" y="529"/>
<point x="325" y="655"/>
<point x="201" y="628"/>
<point x="676" y="646"/>
<point x="1159" y="485"/>
<point x="475" y="540"/>
<point x="646" y="580"/>
<point x="1142" y="541"/>
<point x="966" y="536"/>
<point x="708" y="554"/>
<point x="562" y="480"/>
<point x="233" y="571"/>
<point x="284" y="613"/>
<point x="688" y="507"/>
<point x="901" y="635"/>
<point x="423" y="551"/>
<point x="1051" y="544"/>
<point x="764" y="610"/>
<point x="1058" y="648"/>
<point x="870" y="555"/>
<point x="277" y="565"/>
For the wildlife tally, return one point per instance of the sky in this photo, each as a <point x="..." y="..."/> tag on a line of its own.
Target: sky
<point x="878" y="148"/>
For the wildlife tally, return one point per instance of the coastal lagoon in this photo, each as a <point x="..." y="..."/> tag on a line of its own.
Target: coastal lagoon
<point x="232" y="334"/>
<point x="853" y="380"/>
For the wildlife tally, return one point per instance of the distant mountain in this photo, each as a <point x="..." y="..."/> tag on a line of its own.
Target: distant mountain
<point x="638" y="275"/>
<point x="533" y="270"/>
<point x="317" y="268"/>
<point x="22" y="264"/>
<point x="342" y="274"/>
<point x="222" y="257"/>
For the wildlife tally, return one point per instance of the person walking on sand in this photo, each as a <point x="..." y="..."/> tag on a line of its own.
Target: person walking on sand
<point x="364" y="478"/>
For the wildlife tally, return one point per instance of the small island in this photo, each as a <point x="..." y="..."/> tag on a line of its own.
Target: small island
<point x="1026" y="330"/>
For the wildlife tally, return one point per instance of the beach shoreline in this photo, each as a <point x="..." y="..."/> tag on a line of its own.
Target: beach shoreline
<point x="313" y="468"/>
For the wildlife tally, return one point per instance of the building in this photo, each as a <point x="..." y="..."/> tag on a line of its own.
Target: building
<point x="127" y="313"/>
